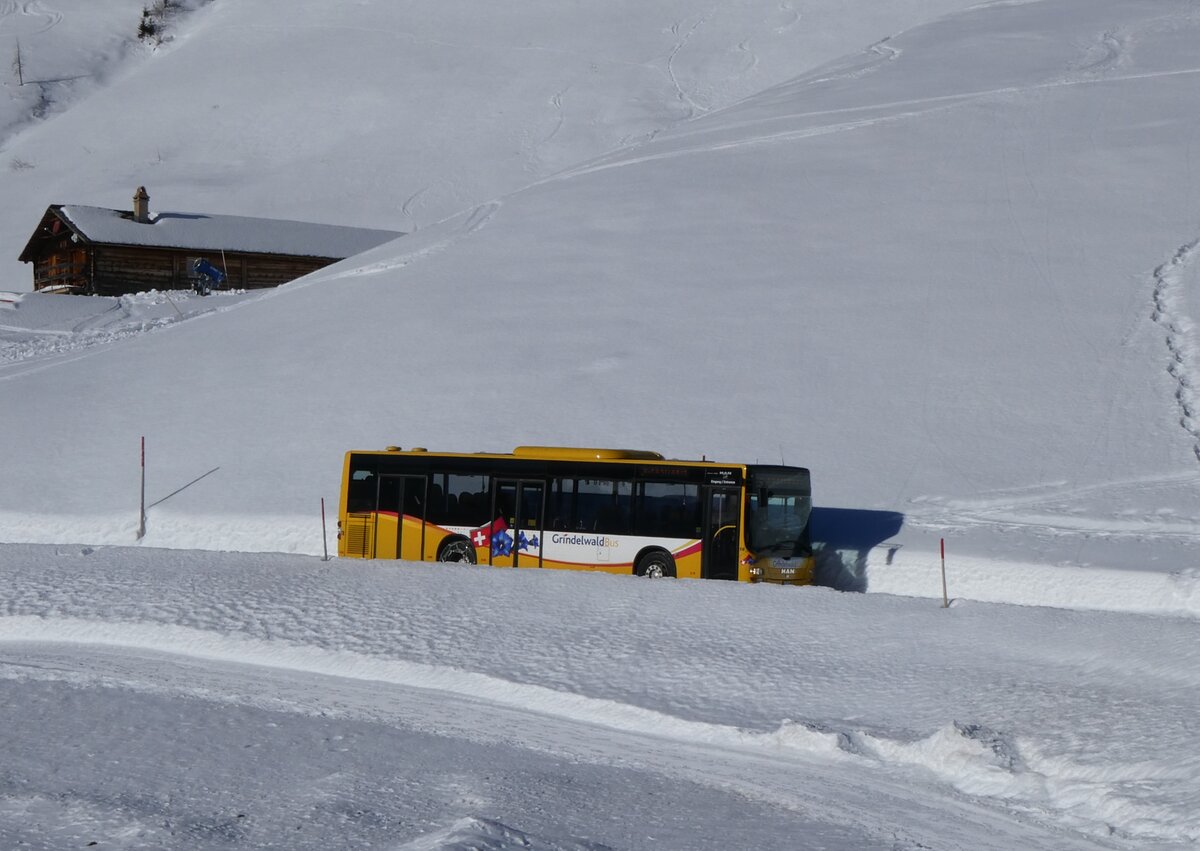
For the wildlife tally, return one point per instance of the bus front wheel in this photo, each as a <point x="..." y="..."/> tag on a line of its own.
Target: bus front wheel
<point x="457" y="550"/>
<point x="656" y="564"/>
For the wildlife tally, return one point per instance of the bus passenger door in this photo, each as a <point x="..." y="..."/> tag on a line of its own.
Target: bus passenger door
<point x="721" y="533"/>
<point x="400" y="499"/>
<point x="518" y="509"/>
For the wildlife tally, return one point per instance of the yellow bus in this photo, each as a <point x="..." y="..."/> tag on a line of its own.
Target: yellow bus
<point x="608" y="510"/>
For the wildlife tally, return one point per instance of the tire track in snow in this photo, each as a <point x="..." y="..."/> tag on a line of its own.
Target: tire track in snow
<point x="1171" y="315"/>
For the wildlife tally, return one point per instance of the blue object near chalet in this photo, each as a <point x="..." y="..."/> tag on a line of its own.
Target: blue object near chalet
<point x="208" y="270"/>
<point x="207" y="276"/>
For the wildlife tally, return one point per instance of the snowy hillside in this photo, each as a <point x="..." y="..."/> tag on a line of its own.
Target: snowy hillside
<point x="949" y="273"/>
<point x="945" y="254"/>
<point x="377" y="115"/>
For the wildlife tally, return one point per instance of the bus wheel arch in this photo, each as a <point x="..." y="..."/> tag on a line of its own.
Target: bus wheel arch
<point x="457" y="549"/>
<point x="655" y="563"/>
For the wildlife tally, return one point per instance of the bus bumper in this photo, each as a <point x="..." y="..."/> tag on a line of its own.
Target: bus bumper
<point x="782" y="571"/>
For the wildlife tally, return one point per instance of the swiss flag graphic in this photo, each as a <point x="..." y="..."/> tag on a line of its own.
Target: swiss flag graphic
<point x="482" y="536"/>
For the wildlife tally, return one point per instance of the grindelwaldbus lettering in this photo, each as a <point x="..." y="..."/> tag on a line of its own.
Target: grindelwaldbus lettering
<point x="585" y="540"/>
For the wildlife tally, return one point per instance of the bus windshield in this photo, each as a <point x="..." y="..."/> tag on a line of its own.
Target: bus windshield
<point x="778" y="505"/>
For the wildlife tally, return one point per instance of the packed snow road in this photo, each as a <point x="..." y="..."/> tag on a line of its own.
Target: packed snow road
<point x="300" y="733"/>
<point x="625" y="708"/>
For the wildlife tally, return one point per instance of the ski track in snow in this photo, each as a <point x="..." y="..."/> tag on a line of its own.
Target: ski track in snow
<point x="534" y="139"/>
<point x="1170" y="314"/>
<point x="489" y="835"/>
<point x="407" y="209"/>
<point x="793" y="17"/>
<point x="1105" y="55"/>
<point x="472" y="221"/>
<point x="993" y="770"/>
<point x="49" y="18"/>
<point x="1041" y="506"/>
<point x="909" y="108"/>
<point x="1056" y="524"/>
<point x="680" y="93"/>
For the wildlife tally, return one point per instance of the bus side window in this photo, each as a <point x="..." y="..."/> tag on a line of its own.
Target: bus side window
<point x="389" y="495"/>
<point x="617" y="517"/>
<point x="669" y="510"/>
<point x="504" y="508"/>
<point x="466" y="501"/>
<point x="435" y="503"/>
<point x="587" y="505"/>
<point x="466" y="509"/>
<point x="360" y="492"/>
<point x="604" y="505"/>
<point x="560" y="506"/>
<point x="414" y="498"/>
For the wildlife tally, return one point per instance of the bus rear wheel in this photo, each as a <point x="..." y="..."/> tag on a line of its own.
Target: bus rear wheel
<point x="457" y="550"/>
<point x="656" y="565"/>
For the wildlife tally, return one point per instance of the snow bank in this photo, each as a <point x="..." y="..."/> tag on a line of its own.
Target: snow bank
<point x="1077" y="717"/>
<point x="997" y="580"/>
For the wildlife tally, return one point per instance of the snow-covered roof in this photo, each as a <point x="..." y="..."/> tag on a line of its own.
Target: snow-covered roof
<point x="205" y="232"/>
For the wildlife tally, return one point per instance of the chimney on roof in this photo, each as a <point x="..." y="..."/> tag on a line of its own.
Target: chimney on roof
<point x="141" y="205"/>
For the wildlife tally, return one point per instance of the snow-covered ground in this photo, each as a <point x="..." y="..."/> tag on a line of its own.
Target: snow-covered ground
<point x="171" y="698"/>
<point x="943" y="253"/>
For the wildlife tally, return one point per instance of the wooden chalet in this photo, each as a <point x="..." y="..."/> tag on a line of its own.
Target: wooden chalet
<point x="97" y="251"/>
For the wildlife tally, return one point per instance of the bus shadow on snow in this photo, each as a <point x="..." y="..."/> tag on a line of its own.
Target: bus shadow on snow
<point x="844" y="537"/>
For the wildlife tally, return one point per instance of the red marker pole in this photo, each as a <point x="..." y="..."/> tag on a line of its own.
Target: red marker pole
<point x="142" y="519"/>
<point x="945" y="597"/>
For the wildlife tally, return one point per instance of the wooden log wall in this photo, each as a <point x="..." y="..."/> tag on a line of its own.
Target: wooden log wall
<point x="129" y="269"/>
<point x="120" y="270"/>
<point x="264" y="270"/>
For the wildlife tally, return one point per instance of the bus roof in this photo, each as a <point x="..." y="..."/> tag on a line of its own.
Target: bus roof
<point x="568" y="453"/>
<point x="541" y="453"/>
<point x="572" y="453"/>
